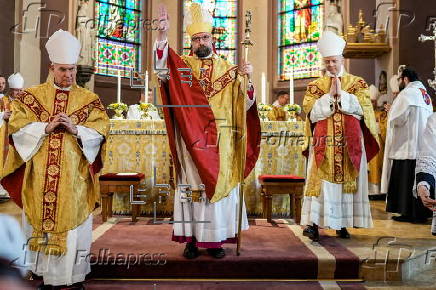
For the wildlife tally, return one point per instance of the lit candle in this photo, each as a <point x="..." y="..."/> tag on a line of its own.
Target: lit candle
<point x="146" y="87"/>
<point x="291" y="88"/>
<point x="119" y="88"/>
<point x="263" y="88"/>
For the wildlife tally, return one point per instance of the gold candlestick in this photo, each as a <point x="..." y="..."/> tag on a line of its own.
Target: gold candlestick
<point x="246" y="43"/>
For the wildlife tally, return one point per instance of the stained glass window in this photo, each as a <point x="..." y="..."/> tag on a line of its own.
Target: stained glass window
<point x="299" y="27"/>
<point x="225" y="23"/>
<point x="118" y="36"/>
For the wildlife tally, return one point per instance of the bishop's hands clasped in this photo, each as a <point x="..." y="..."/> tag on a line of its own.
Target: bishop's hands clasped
<point x="64" y="121"/>
<point x="335" y="94"/>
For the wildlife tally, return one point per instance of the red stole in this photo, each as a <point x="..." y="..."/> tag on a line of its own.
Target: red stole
<point x="353" y="130"/>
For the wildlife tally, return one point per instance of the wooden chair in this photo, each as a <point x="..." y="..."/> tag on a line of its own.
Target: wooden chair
<point x="112" y="182"/>
<point x="282" y="184"/>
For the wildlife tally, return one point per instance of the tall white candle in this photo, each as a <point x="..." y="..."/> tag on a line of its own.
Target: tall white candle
<point x="263" y="88"/>
<point x="119" y="88"/>
<point x="291" y="88"/>
<point x="146" y="87"/>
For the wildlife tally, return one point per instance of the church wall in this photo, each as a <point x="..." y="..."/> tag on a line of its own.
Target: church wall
<point x="7" y="39"/>
<point x="387" y="15"/>
<point x="259" y="53"/>
<point x="421" y="56"/>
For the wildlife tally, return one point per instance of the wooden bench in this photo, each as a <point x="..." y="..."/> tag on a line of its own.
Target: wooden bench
<point x="282" y="184"/>
<point x="113" y="182"/>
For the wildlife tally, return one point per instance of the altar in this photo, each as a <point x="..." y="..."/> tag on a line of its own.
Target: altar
<point x="142" y="146"/>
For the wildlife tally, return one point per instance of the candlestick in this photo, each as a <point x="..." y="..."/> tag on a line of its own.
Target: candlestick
<point x="263" y="88"/>
<point x="119" y="88"/>
<point x="146" y="87"/>
<point x="291" y="88"/>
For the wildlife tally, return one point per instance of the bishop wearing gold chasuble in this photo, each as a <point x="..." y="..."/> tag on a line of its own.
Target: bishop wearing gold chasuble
<point x="212" y="145"/>
<point x="56" y="130"/>
<point x="341" y="125"/>
<point x="16" y="84"/>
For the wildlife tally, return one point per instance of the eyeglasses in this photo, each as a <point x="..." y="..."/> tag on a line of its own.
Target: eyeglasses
<point x="198" y="38"/>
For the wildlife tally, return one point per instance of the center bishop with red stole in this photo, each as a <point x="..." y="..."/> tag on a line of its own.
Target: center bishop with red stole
<point x="207" y="143"/>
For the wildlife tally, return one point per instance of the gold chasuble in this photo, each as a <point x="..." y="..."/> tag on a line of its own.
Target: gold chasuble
<point x="5" y="105"/>
<point x="337" y="140"/>
<point x="57" y="185"/>
<point x="218" y="135"/>
<point x="376" y="165"/>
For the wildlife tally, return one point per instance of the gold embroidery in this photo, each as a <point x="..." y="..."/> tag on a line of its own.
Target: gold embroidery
<point x="52" y="174"/>
<point x="338" y="130"/>
<point x="82" y="114"/>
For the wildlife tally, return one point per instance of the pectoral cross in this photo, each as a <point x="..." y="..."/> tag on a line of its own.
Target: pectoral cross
<point x="424" y="38"/>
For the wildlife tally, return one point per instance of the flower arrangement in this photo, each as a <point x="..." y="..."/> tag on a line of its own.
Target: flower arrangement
<point x="264" y="107"/>
<point x="292" y="108"/>
<point x="119" y="108"/>
<point x="263" y="111"/>
<point x="145" y="108"/>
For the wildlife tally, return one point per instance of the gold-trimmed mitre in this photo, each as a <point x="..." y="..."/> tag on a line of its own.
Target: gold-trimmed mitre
<point x="198" y="20"/>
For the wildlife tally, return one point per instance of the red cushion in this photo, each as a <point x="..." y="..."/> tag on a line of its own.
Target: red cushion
<point x="124" y="177"/>
<point x="280" y="178"/>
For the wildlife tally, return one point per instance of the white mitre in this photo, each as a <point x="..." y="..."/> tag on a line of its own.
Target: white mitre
<point x="16" y="81"/>
<point x="330" y="44"/>
<point x="63" y="48"/>
<point x="401" y="67"/>
<point x="373" y="92"/>
<point x="393" y="83"/>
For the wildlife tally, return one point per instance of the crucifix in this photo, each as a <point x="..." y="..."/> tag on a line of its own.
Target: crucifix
<point x="423" y="38"/>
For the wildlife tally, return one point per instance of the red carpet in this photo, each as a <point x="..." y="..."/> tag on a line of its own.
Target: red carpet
<point x="268" y="251"/>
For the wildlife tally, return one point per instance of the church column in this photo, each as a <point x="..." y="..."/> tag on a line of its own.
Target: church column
<point x="54" y="15"/>
<point x="7" y="38"/>
<point x="26" y="49"/>
<point x="83" y="26"/>
<point x="260" y="35"/>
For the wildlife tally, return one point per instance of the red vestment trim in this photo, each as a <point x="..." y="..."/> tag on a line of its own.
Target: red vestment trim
<point x="13" y="182"/>
<point x="353" y="130"/>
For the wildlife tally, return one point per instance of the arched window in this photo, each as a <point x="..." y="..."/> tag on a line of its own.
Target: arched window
<point x="118" y="36"/>
<point x="299" y="27"/>
<point x="225" y="23"/>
